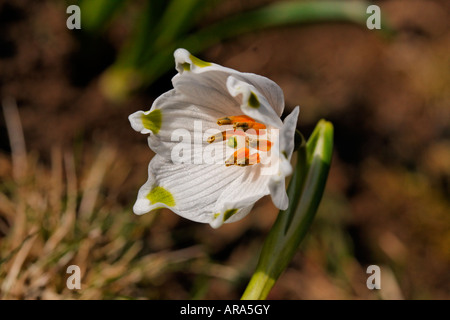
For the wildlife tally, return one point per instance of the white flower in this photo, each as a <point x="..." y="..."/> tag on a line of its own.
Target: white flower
<point x="238" y="115"/>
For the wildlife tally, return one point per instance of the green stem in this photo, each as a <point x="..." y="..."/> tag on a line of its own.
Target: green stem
<point x="305" y="192"/>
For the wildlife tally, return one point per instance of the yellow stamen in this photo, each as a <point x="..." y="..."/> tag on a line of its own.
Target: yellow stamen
<point x="225" y="135"/>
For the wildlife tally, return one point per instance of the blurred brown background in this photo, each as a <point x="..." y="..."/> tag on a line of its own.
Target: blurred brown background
<point x="386" y="201"/>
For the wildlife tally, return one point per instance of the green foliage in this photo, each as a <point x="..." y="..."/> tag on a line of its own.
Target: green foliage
<point x="160" y="27"/>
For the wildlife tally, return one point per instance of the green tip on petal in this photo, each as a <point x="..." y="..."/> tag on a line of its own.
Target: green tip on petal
<point x="228" y="214"/>
<point x="161" y="195"/>
<point x="186" y="66"/>
<point x="152" y="121"/>
<point x="232" y="142"/>
<point x="253" y="100"/>
<point x="198" y="62"/>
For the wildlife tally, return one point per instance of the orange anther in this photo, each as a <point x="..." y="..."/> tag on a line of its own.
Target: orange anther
<point x="234" y="119"/>
<point x="225" y="135"/>
<point x="261" y="145"/>
<point x="242" y="157"/>
<point x="241" y="122"/>
<point x="242" y="126"/>
<point x="249" y="125"/>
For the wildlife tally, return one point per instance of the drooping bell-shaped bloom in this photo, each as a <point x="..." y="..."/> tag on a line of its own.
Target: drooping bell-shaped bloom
<point x="219" y="141"/>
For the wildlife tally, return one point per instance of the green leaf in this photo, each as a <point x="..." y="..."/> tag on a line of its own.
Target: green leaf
<point x="142" y="37"/>
<point x="95" y="14"/>
<point x="155" y="49"/>
<point x="177" y="20"/>
<point x="274" y="15"/>
<point x="305" y="192"/>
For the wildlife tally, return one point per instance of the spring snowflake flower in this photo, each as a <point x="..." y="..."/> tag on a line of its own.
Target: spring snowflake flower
<point x="219" y="141"/>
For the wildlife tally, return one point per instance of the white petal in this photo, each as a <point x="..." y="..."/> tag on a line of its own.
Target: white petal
<point x="279" y="195"/>
<point x="230" y="215"/>
<point x="187" y="64"/>
<point x="243" y="192"/>
<point x="193" y="191"/>
<point x="185" y="61"/>
<point x="269" y="89"/>
<point x="175" y="123"/>
<point x="137" y="122"/>
<point x="287" y="134"/>
<point x="282" y="155"/>
<point x="207" y="90"/>
<point x="253" y="103"/>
